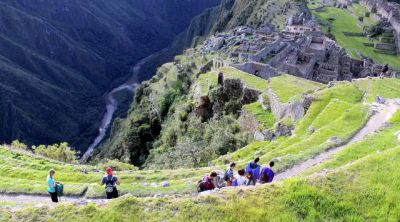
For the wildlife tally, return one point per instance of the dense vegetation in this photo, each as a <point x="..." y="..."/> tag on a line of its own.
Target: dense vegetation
<point x="169" y="99"/>
<point x="347" y="187"/>
<point x="58" y="58"/>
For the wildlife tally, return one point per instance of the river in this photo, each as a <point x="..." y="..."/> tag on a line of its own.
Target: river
<point x="112" y="104"/>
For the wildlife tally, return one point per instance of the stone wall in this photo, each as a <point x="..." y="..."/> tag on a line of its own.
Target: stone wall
<point x="293" y="110"/>
<point x="261" y="70"/>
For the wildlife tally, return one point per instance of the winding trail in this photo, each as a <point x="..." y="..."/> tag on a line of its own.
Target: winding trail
<point x="382" y="113"/>
<point x="112" y="104"/>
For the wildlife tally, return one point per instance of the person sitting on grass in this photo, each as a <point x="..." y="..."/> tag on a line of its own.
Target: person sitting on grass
<point x="240" y="180"/>
<point x="207" y="183"/>
<point x="52" y="186"/>
<point x="267" y="174"/>
<point x="228" y="176"/>
<point x="253" y="171"/>
<point x="111" y="183"/>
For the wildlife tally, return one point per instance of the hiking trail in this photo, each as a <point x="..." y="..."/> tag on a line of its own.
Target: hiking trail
<point x="382" y="113"/>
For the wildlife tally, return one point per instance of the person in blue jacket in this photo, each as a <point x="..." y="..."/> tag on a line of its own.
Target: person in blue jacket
<point x="252" y="171"/>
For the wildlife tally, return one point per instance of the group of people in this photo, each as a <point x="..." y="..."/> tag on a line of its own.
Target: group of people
<point x="55" y="189"/>
<point x="252" y="174"/>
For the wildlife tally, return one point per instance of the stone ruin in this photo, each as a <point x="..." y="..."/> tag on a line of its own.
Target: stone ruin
<point x="267" y="52"/>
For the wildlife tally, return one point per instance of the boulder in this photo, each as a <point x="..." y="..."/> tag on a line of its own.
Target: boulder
<point x="282" y="130"/>
<point x="311" y="129"/>
<point x="268" y="135"/>
<point x="164" y="184"/>
<point x="380" y="100"/>
<point x="397" y="135"/>
<point x="335" y="140"/>
<point x="259" y="136"/>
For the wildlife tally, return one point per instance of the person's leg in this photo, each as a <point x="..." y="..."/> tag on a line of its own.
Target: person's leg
<point x="109" y="195"/>
<point x="115" y="193"/>
<point x="54" y="197"/>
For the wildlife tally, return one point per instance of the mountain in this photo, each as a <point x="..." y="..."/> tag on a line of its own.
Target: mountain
<point x="161" y="117"/>
<point x="58" y="58"/>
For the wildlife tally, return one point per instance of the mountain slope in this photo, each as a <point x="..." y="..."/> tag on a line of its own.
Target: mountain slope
<point x="59" y="57"/>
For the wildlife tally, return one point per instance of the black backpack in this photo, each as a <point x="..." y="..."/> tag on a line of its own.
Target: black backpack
<point x="110" y="186"/>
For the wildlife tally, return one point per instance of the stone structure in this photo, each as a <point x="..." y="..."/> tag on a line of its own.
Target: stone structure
<point x="309" y="54"/>
<point x="389" y="11"/>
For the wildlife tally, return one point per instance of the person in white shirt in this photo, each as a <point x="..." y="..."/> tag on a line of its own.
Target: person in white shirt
<point x="240" y="180"/>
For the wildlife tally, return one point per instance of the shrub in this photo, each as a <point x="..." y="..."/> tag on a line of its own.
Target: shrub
<point x="61" y="152"/>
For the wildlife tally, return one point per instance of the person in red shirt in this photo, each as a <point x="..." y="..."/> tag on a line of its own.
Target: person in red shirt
<point x="207" y="183"/>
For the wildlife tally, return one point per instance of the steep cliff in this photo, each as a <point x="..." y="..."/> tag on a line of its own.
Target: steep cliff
<point x="58" y="58"/>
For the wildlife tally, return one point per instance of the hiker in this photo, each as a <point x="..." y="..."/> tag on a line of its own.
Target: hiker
<point x="228" y="176"/>
<point x="384" y="71"/>
<point x="240" y="180"/>
<point x="207" y="183"/>
<point x="111" y="183"/>
<point x="267" y="174"/>
<point x="52" y="186"/>
<point x="253" y="171"/>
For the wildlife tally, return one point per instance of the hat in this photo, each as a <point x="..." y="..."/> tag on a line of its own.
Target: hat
<point x="109" y="170"/>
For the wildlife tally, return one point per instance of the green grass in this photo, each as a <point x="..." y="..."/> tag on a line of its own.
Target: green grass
<point x="364" y="191"/>
<point x="387" y="88"/>
<point x="264" y="117"/>
<point x="27" y="174"/>
<point x="337" y="112"/>
<point x="209" y="80"/>
<point x="288" y="87"/>
<point x="361" y="185"/>
<point x="345" y="22"/>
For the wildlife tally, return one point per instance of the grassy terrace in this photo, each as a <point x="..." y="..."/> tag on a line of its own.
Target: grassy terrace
<point x="210" y="79"/>
<point x="288" y="87"/>
<point x="338" y="112"/>
<point x="359" y="176"/>
<point x="387" y="88"/>
<point x="345" y="22"/>
<point x="264" y="117"/>
<point x="27" y="174"/>
<point x="347" y="194"/>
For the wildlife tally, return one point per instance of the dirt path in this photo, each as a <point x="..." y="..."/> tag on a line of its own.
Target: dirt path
<point x="15" y="202"/>
<point x="383" y="112"/>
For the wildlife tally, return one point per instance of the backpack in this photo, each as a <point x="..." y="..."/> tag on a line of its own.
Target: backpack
<point x="110" y="185"/>
<point x="60" y="190"/>
<point x="226" y="176"/>
<point x="200" y="186"/>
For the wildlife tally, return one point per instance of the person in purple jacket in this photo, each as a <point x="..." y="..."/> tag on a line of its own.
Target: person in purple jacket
<point x="267" y="174"/>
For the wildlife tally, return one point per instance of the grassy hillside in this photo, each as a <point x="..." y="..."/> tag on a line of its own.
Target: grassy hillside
<point x="346" y="187"/>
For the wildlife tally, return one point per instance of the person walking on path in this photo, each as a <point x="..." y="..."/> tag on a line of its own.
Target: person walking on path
<point x="252" y="171"/>
<point x="52" y="186"/>
<point x="111" y="183"/>
<point x="267" y="174"/>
